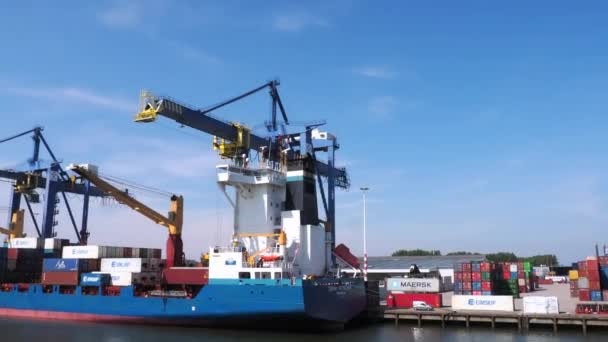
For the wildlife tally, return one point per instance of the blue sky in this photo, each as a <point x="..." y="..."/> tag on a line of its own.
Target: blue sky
<point x="478" y="126"/>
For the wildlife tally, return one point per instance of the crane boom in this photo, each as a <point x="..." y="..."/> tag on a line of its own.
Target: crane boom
<point x="173" y="221"/>
<point x="152" y="106"/>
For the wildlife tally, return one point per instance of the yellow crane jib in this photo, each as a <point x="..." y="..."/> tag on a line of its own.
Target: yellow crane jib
<point x="233" y="149"/>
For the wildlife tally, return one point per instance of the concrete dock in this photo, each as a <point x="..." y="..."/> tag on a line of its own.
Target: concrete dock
<point x="517" y="319"/>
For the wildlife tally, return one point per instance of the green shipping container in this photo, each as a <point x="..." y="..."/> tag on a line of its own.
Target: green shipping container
<point x="486" y="276"/>
<point x="527" y="266"/>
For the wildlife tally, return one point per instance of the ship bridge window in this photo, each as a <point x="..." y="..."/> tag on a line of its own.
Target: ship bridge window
<point x="244" y="275"/>
<point x="277" y="275"/>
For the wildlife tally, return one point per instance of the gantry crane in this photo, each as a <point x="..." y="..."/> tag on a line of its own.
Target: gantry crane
<point x="54" y="180"/>
<point x="234" y="140"/>
<point x="173" y="222"/>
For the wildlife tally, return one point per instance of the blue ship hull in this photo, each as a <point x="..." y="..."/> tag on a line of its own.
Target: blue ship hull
<point x="221" y="302"/>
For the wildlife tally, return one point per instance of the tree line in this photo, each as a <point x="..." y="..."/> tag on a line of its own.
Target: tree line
<point x="535" y="260"/>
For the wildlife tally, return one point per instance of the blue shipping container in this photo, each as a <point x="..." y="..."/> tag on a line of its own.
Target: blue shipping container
<point x="514" y="275"/>
<point x="95" y="279"/>
<point x="476" y="267"/>
<point x="60" y="265"/>
<point x="596" y="296"/>
<point x="476" y="286"/>
<point x="466" y="293"/>
<point x="486" y="293"/>
<point x="458" y="286"/>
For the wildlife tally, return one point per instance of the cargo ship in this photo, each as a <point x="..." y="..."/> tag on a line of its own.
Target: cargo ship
<point x="280" y="264"/>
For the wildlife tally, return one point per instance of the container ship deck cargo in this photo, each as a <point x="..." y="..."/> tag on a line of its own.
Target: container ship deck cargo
<point x="280" y="265"/>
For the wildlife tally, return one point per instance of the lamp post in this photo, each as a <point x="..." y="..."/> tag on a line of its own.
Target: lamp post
<point x="364" y="190"/>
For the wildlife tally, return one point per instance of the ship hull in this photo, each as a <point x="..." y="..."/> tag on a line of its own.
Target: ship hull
<point x="226" y="303"/>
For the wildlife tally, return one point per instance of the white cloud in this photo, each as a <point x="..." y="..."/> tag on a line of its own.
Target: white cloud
<point x="376" y="72"/>
<point x="297" y="21"/>
<point x="122" y="15"/>
<point x="73" y="94"/>
<point x="382" y="106"/>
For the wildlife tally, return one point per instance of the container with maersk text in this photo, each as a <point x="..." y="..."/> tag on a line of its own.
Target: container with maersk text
<point x="413" y="284"/>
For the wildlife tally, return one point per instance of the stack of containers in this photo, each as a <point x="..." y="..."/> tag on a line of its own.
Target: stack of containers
<point x="573" y="277"/>
<point x="593" y="276"/>
<point x="60" y="271"/>
<point x="603" y="261"/>
<point x="473" y="278"/>
<point x="54" y="247"/>
<point x="583" y="282"/>
<point x="23" y="261"/>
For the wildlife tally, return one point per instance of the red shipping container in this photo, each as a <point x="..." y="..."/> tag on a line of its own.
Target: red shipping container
<point x="592" y="265"/>
<point x="60" y="278"/>
<point x="476" y="276"/>
<point x="582" y="273"/>
<point x="486" y="267"/>
<point x="593" y="275"/>
<point x="521" y="275"/>
<point x="406" y="300"/>
<point x="186" y="275"/>
<point x="476" y="293"/>
<point x="523" y="289"/>
<point x="583" y="295"/>
<point x="466" y="277"/>
<point x="466" y="286"/>
<point x="594" y="285"/>
<point x="520" y="265"/>
<point x="486" y="286"/>
<point x="506" y="275"/>
<point x="466" y="267"/>
<point x="603" y="261"/>
<point x="12" y="253"/>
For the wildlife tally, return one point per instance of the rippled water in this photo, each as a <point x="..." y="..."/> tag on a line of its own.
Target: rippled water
<point x="43" y="331"/>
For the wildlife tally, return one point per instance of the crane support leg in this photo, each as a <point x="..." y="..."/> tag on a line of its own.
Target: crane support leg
<point x="84" y="234"/>
<point x="50" y="201"/>
<point x="331" y="193"/>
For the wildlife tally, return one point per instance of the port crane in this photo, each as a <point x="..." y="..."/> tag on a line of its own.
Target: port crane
<point x="173" y="222"/>
<point x="55" y="182"/>
<point x="234" y="140"/>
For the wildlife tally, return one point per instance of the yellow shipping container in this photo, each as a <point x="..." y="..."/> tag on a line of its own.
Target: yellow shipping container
<point x="573" y="275"/>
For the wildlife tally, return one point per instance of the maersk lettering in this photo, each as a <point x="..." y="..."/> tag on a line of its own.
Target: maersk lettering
<point x="416" y="284"/>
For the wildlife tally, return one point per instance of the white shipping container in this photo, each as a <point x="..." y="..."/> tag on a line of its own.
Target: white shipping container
<point x="513" y="268"/>
<point x="521" y="282"/>
<point x="129" y="278"/>
<point x="541" y="305"/>
<point x="26" y="243"/>
<point x="81" y="252"/>
<point x="55" y="244"/>
<point x="493" y="303"/>
<point x="413" y="285"/>
<point x="121" y="265"/>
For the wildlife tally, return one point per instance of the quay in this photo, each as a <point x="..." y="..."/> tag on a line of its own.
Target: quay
<point x="519" y="319"/>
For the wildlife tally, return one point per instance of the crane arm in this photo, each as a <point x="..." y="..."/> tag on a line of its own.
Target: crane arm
<point x="173" y="222"/>
<point x="152" y="106"/>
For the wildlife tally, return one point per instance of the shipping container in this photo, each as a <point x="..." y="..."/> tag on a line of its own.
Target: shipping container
<point x="476" y="276"/>
<point x="410" y="284"/>
<point x="494" y="303"/>
<point x="595" y="296"/>
<point x="60" y="278"/>
<point x="573" y="275"/>
<point x="584" y="295"/>
<point x="193" y="276"/>
<point x="95" y="279"/>
<point x="26" y="243"/>
<point x="540" y="305"/>
<point x="583" y="283"/>
<point x="406" y="300"/>
<point x="594" y="285"/>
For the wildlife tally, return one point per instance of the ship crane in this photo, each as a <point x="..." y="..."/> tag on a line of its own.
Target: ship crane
<point x="235" y="141"/>
<point x="173" y="221"/>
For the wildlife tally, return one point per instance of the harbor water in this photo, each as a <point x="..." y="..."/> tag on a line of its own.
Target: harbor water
<point x="21" y="330"/>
